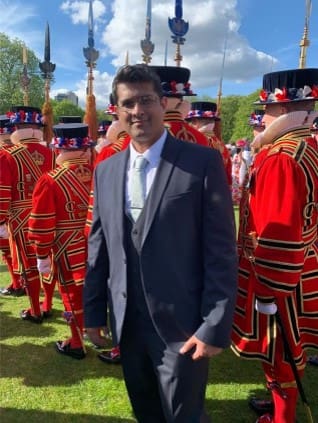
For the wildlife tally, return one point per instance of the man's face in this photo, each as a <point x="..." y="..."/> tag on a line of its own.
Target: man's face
<point x="140" y="113"/>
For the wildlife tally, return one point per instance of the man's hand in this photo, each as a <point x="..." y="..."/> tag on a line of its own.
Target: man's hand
<point x="201" y="349"/>
<point x="4" y="233"/>
<point x="97" y="336"/>
<point x="44" y="265"/>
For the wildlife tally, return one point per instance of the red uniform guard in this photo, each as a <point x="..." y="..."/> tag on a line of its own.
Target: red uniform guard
<point x="15" y="287"/>
<point x="56" y="225"/>
<point x="21" y="166"/>
<point x="278" y="241"/>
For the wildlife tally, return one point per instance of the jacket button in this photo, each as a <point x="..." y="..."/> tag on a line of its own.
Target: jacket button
<point x="124" y="295"/>
<point x="135" y="231"/>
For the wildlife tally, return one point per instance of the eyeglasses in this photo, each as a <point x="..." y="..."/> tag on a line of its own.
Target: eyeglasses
<point x="143" y="100"/>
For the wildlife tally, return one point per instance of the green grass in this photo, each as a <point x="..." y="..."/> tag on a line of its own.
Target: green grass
<point x="39" y="385"/>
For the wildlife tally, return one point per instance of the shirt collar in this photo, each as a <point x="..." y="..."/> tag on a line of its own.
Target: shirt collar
<point x="153" y="153"/>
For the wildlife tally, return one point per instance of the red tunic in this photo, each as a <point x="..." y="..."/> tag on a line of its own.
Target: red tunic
<point x="113" y="148"/>
<point x="57" y="220"/>
<point x="20" y="167"/>
<point x="180" y="129"/>
<point x="5" y="248"/>
<point x="216" y="143"/>
<point x="280" y="214"/>
<point x="4" y="242"/>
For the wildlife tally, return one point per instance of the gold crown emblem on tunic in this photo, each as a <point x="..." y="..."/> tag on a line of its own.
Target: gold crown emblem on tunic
<point x="83" y="173"/>
<point x="38" y="158"/>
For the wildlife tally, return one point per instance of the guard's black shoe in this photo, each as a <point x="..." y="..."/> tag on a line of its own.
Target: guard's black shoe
<point x="66" y="349"/>
<point x="261" y="406"/>
<point x="26" y="315"/>
<point x="313" y="360"/>
<point x="19" y="292"/>
<point x="7" y="291"/>
<point x="47" y="314"/>
<point x="110" y="356"/>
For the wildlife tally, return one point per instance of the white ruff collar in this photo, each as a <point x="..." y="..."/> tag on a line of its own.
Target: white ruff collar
<point x="26" y="134"/>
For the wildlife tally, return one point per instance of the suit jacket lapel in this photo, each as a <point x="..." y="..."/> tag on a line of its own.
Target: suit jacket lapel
<point x="120" y="192"/>
<point x="170" y="152"/>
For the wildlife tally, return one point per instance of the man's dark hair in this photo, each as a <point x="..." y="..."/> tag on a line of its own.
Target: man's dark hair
<point x="130" y="74"/>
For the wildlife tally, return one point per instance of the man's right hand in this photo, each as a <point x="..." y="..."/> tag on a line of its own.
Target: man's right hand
<point x="96" y="337"/>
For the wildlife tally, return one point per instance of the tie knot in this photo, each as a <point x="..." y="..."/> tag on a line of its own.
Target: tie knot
<point x="140" y="162"/>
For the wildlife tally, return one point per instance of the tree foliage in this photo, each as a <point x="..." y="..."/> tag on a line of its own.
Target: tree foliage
<point x="65" y="108"/>
<point x="11" y="68"/>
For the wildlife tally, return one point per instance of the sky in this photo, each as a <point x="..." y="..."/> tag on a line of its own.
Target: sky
<point x="233" y="41"/>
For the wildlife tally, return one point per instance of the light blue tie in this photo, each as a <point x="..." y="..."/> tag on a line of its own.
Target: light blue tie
<point x="138" y="186"/>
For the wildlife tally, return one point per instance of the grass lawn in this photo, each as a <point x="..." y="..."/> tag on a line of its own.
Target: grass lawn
<point x="39" y="385"/>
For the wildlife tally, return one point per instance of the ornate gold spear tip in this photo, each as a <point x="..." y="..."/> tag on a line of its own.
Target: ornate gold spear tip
<point x="46" y="66"/>
<point x="147" y="46"/>
<point x="179" y="27"/>
<point x="91" y="55"/>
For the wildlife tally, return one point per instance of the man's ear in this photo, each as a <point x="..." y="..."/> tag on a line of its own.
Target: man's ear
<point x="164" y="102"/>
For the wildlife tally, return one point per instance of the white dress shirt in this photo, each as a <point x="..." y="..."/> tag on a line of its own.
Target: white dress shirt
<point x="153" y="155"/>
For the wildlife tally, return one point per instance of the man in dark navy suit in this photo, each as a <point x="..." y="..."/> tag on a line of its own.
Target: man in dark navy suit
<point x="168" y="275"/>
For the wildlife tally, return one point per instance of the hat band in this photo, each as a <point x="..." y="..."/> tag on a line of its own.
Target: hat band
<point x="202" y="114"/>
<point x="256" y="120"/>
<point x="111" y="110"/>
<point x="289" y="94"/>
<point x="25" y="117"/>
<point x="71" y="143"/>
<point x="176" y="88"/>
<point x="5" y="131"/>
<point x="103" y="128"/>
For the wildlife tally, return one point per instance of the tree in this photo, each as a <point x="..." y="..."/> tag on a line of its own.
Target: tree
<point x="241" y="128"/>
<point x="65" y="108"/>
<point x="11" y="67"/>
<point x="101" y="115"/>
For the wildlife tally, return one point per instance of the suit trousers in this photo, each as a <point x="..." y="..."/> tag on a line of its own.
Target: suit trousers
<point x="163" y="386"/>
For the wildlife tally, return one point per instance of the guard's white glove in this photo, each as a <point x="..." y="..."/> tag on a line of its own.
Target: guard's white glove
<point x="44" y="265"/>
<point x="265" y="308"/>
<point x="4" y="233"/>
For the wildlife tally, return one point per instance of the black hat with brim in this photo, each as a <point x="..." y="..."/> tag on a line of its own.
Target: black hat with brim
<point x="289" y="86"/>
<point x="103" y="126"/>
<point x="71" y="136"/>
<point x="203" y="110"/>
<point x="174" y="80"/>
<point x="70" y="119"/>
<point x="25" y="115"/>
<point x="256" y="118"/>
<point x="6" y="126"/>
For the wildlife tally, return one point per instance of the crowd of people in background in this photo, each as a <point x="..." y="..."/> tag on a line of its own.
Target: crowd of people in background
<point x="136" y="230"/>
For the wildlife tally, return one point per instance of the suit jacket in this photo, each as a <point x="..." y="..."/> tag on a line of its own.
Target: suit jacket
<point x="186" y="244"/>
